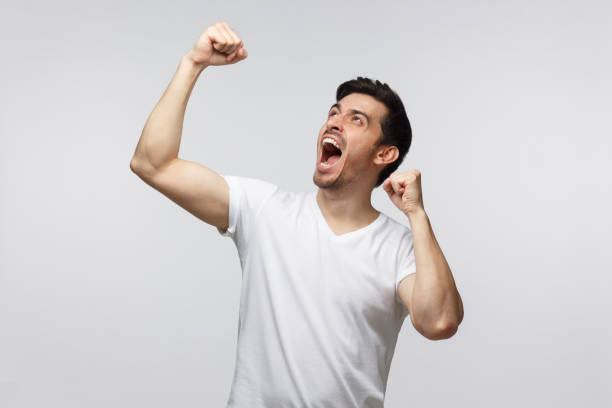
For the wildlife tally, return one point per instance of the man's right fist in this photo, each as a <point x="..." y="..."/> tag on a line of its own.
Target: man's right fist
<point x="218" y="45"/>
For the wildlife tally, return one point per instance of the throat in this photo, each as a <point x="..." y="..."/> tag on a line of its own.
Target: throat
<point x="343" y="222"/>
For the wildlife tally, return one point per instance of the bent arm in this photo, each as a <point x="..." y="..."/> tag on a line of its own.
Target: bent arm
<point x="194" y="187"/>
<point x="436" y="308"/>
<point x="161" y="137"/>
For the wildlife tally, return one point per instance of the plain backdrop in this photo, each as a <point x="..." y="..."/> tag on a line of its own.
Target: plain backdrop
<point x="112" y="295"/>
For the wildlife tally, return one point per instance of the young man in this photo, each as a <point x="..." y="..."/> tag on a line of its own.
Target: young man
<point x="327" y="279"/>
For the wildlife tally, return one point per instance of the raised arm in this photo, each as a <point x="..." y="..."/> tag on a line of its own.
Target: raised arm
<point x="196" y="188"/>
<point x="430" y="294"/>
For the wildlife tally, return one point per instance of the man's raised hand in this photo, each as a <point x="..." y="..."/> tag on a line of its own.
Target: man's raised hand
<point x="404" y="190"/>
<point x="218" y="45"/>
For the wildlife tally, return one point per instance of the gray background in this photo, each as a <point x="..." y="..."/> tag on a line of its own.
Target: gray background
<point x="112" y="295"/>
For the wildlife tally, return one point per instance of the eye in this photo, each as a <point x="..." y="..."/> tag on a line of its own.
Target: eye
<point x="331" y="113"/>
<point x="358" y="118"/>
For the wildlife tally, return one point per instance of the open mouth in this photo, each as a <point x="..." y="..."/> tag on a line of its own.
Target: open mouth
<point x="330" y="153"/>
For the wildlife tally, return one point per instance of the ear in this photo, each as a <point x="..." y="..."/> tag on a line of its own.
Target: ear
<point x="385" y="155"/>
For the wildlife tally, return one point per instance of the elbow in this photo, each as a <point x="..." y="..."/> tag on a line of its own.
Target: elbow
<point x="140" y="167"/>
<point x="134" y="165"/>
<point x="447" y="330"/>
<point x="441" y="331"/>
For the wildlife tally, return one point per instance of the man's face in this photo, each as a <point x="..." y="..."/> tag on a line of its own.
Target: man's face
<point x="354" y="124"/>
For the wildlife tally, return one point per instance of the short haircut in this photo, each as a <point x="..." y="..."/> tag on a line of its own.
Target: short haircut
<point x="396" y="130"/>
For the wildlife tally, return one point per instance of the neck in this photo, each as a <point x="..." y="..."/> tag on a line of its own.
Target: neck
<point x="350" y="207"/>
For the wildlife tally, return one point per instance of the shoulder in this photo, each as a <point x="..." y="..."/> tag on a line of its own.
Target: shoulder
<point x="250" y="183"/>
<point x="400" y="231"/>
<point x="250" y="187"/>
<point x="257" y="192"/>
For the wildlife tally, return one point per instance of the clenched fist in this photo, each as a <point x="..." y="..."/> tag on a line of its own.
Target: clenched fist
<point x="218" y="45"/>
<point x="404" y="190"/>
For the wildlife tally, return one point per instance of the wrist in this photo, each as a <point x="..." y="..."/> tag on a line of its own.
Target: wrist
<point x="417" y="213"/>
<point x="189" y="60"/>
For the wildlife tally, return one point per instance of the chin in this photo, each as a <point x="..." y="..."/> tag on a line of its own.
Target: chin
<point x="322" y="181"/>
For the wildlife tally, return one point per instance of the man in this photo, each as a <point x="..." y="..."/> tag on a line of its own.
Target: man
<point x="327" y="279"/>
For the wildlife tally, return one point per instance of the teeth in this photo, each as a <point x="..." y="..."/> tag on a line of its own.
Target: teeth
<point x="324" y="164"/>
<point x="332" y="141"/>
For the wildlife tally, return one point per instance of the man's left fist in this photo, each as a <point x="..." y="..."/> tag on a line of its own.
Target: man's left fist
<point x="404" y="189"/>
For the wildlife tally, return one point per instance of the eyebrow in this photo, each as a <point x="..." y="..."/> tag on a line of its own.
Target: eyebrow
<point x="354" y="111"/>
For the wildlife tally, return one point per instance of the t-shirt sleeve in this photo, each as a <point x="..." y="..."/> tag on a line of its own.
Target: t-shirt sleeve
<point x="406" y="260"/>
<point x="246" y="198"/>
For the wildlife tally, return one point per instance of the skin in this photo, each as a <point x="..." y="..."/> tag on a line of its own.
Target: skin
<point x="344" y="193"/>
<point x="430" y="294"/>
<point x="344" y="196"/>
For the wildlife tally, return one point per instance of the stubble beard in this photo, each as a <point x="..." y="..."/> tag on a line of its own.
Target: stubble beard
<point x="328" y="182"/>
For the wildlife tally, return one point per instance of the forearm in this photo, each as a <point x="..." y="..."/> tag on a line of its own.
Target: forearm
<point x="436" y="305"/>
<point x="160" y="139"/>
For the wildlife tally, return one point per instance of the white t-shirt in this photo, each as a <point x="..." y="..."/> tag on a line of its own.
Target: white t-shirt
<point x="319" y="313"/>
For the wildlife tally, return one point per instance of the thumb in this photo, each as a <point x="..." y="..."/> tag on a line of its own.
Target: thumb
<point x="387" y="186"/>
<point x="237" y="55"/>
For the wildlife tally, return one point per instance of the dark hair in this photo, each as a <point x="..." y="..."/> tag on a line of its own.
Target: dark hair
<point x="396" y="130"/>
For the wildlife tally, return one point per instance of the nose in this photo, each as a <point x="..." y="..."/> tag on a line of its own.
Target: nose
<point x="335" y="122"/>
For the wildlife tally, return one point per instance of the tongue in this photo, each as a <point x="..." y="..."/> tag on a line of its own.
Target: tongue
<point x="333" y="159"/>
